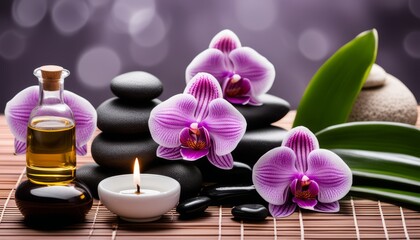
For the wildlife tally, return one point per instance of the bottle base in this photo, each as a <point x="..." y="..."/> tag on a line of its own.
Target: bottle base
<point x="51" y="175"/>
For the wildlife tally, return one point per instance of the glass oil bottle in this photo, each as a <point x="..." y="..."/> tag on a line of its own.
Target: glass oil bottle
<point x="51" y="142"/>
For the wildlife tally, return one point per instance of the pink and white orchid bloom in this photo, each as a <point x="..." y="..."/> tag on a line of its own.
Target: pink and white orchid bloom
<point x="242" y="72"/>
<point x="19" y="108"/>
<point x="300" y="174"/>
<point x="197" y="123"/>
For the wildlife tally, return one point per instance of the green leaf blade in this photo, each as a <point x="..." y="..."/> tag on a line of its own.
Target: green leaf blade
<point x="372" y="136"/>
<point x="331" y="93"/>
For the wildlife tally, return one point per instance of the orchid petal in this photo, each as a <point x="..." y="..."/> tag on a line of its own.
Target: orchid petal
<point x="306" y="203"/>
<point x="192" y="154"/>
<point x="18" y="110"/>
<point x="225" y="41"/>
<point x="327" y="207"/>
<point x="226" y="126"/>
<point x="169" y="153"/>
<point x="85" y="117"/>
<point x="205" y="88"/>
<point x="283" y="210"/>
<point x="81" y="150"/>
<point x="248" y="63"/>
<point x="20" y="147"/>
<point x="211" y="61"/>
<point x="273" y="173"/>
<point x="223" y="162"/>
<point x="331" y="173"/>
<point x="302" y="141"/>
<point x="169" y="117"/>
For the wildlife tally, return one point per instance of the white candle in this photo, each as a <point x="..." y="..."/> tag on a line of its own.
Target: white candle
<point x="136" y="181"/>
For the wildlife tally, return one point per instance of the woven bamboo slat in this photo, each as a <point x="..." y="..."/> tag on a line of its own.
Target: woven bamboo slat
<point x="357" y="219"/>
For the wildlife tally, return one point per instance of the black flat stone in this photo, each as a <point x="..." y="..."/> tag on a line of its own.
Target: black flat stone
<point x="240" y="173"/>
<point x="138" y="85"/>
<point x="186" y="173"/>
<point x="122" y="117"/>
<point x="92" y="174"/>
<point x="250" y="212"/>
<point x="272" y="110"/>
<point x="256" y="143"/>
<point x="118" y="152"/>
<point x="51" y="206"/>
<point x="222" y="194"/>
<point x="193" y="207"/>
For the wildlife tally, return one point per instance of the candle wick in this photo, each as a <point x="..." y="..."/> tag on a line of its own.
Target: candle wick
<point x="138" y="189"/>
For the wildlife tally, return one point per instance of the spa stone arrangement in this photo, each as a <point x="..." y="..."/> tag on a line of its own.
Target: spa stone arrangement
<point x="214" y="143"/>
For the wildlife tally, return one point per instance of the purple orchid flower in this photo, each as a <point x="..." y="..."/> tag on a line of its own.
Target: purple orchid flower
<point x="19" y="108"/>
<point x="197" y="123"/>
<point x="299" y="173"/>
<point x="242" y="72"/>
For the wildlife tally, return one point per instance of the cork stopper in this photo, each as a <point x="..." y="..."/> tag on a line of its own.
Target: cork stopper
<point x="51" y="75"/>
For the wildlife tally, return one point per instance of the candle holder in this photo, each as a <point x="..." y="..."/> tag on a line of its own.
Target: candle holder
<point x="158" y="195"/>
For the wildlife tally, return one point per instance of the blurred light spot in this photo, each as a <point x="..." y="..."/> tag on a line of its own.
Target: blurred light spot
<point x="149" y="57"/>
<point x="313" y="44"/>
<point x="414" y="6"/>
<point x="256" y="15"/>
<point x="147" y="35"/>
<point x="70" y="16"/>
<point x="412" y="44"/>
<point x="12" y="44"/>
<point x="124" y="10"/>
<point x="97" y="66"/>
<point x="29" y="13"/>
<point x="99" y="3"/>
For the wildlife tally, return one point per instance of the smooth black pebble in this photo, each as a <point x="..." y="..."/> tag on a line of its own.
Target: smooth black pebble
<point x="92" y="174"/>
<point x="193" y="207"/>
<point x="186" y="173"/>
<point x="250" y="212"/>
<point x="221" y="194"/>
<point x="52" y="206"/>
<point x="241" y="173"/>
<point x="137" y="85"/>
<point x="122" y="117"/>
<point x="272" y="110"/>
<point x="256" y="143"/>
<point x="117" y="153"/>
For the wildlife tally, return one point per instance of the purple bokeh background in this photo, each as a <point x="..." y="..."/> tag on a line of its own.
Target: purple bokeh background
<point x="99" y="39"/>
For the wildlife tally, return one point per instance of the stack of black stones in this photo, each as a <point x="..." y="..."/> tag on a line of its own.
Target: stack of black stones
<point x="125" y="136"/>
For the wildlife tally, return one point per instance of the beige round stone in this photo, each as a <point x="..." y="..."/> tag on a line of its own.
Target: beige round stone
<point x="392" y="102"/>
<point x="376" y="78"/>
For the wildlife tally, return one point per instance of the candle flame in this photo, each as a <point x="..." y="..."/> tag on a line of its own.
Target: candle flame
<point x="136" y="176"/>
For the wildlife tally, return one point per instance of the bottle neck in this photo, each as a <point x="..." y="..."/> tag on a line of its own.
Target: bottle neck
<point x="48" y="95"/>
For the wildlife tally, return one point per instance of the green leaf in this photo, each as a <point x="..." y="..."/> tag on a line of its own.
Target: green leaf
<point x="375" y="164"/>
<point x="373" y="136"/>
<point x="329" y="97"/>
<point x="397" y="196"/>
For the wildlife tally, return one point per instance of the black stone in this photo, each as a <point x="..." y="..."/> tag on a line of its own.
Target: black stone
<point x="137" y="85"/>
<point x="186" y="173"/>
<point x="50" y="206"/>
<point x="117" y="153"/>
<point x="272" y="110"/>
<point x="92" y="174"/>
<point x="221" y="194"/>
<point x="193" y="207"/>
<point x="250" y="212"/>
<point x="240" y="173"/>
<point x="256" y="143"/>
<point x="121" y="117"/>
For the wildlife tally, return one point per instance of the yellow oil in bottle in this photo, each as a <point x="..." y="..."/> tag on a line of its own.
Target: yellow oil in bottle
<point x="51" y="151"/>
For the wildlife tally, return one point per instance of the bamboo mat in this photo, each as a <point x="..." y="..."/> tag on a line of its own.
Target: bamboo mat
<point x="357" y="219"/>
